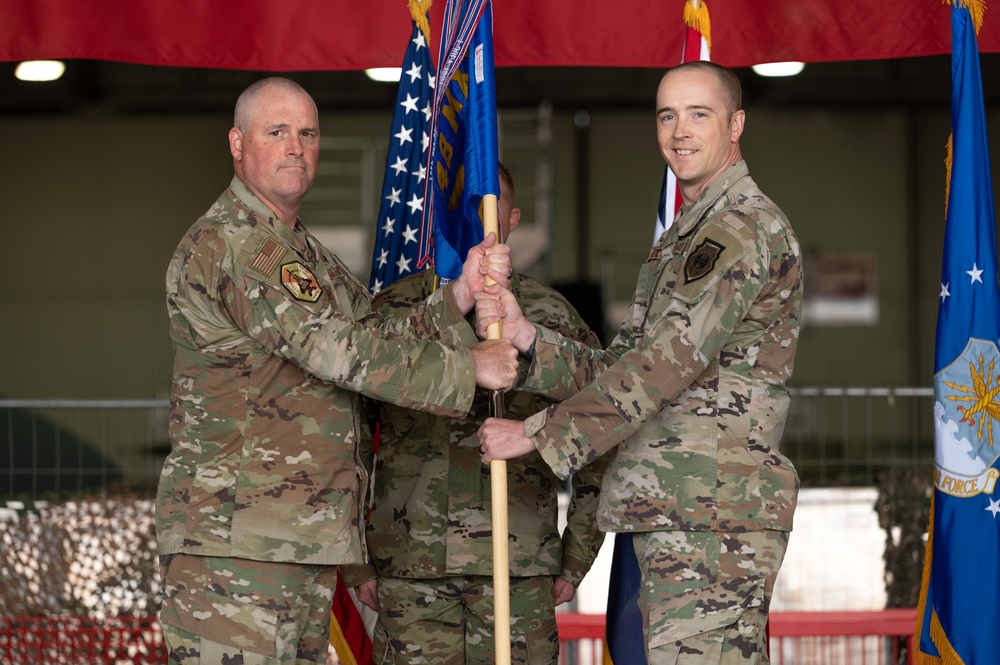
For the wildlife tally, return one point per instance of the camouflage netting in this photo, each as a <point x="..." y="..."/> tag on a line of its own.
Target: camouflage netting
<point x="87" y="558"/>
<point x="94" y="558"/>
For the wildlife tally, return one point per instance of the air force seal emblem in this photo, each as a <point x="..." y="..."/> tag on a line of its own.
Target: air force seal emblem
<point x="966" y="404"/>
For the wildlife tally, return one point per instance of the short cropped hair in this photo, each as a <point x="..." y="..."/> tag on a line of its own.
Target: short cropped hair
<point x="728" y="81"/>
<point x="506" y="178"/>
<point x="245" y="103"/>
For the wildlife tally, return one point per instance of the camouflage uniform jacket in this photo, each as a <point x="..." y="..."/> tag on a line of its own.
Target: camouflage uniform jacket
<point x="267" y="460"/>
<point x="692" y="390"/>
<point x="432" y="512"/>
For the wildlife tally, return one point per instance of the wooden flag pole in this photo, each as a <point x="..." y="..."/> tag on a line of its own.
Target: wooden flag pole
<point x="498" y="487"/>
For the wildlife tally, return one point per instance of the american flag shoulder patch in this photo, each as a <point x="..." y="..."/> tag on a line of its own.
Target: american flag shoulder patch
<point x="268" y="257"/>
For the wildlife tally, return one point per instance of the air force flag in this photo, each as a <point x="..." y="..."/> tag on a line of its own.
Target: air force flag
<point x="960" y="596"/>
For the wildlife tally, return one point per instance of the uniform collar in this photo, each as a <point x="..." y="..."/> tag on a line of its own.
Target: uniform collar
<point x="688" y="217"/>
<point x="250" y="201"/>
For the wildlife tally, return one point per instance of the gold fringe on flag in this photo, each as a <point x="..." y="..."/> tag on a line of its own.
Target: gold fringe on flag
<point x="938" y="636"/>
<point x="697" y="17"/>
<point x="418" y="10"/>
<point x="947" y="172"/>
<point x="976" y="8"/>
<point x="922" y="658"/>
<point x="948" y="655"/>
<point x="339" y="642"/>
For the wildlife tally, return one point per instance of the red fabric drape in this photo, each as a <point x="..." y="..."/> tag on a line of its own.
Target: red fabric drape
<point x="307" y="35"/>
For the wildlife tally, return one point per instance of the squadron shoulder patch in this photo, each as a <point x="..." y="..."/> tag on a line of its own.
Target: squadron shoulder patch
<point x="701" y="261"/>
<point x="300" y="282"/>
<point x="267" y="258"/>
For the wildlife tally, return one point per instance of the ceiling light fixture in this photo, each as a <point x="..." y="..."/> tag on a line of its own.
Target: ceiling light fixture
<point x="40" y="70"/>
<point x="779" y="68"/>
<point x="385" y="74"/>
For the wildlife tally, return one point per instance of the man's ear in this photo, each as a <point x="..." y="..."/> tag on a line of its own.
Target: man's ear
<point x="515" y="218"/>
<point x="736" y="125"/>
<point x="236" y="143"/>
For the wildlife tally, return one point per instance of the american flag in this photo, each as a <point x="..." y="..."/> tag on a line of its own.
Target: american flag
<point x="401" y="211"/>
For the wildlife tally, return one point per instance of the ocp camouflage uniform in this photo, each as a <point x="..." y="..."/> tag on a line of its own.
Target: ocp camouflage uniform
<point x="430" y="530"/>
<point x="692" y="392"/>
<point x="269" y="458"/>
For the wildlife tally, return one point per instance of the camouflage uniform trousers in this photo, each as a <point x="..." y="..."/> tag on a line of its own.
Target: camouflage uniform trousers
<point x="705" y="595"/>
<point x="245" y="612"/>
<point x="449" y="621"/>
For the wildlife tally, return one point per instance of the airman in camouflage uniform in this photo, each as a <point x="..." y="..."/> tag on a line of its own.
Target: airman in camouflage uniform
<point x="274" y="341"/>
<point x="430" y="530"/>
<point x="691" y="394"/>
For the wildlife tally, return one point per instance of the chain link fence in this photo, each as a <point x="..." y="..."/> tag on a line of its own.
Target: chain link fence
<point x="79" y="480"/>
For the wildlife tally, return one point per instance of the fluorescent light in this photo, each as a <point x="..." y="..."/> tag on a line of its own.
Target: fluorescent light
<point x="39" y="70"/>
<point x="385" y="74"/>
<point x="779" y="68"/>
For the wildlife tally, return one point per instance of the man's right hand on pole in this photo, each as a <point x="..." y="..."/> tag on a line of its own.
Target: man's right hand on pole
<point x="487" y="259"/>
<point x="496" y="303"/>
<point x="496" y="364"/>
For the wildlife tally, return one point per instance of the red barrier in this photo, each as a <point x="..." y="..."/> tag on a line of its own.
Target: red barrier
<point x="581" y="638"/>
<point x="81" y="640"/>
<point x="815" y="638"/>
<point x="875" y="638"/>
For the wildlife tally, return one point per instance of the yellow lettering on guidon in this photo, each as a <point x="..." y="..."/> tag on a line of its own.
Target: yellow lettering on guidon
<point x="964" y="486"/>
<point x="452" y="189"/>
<point x="456" y="194"/>
<point x="446" y="151"/>
<point x="451" y="109"/>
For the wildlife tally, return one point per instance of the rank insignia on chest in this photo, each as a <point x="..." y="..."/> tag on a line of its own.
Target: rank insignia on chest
<point x="267" y="258"/>
<point x="300" y="282"/>
<point x="701" y="261"/>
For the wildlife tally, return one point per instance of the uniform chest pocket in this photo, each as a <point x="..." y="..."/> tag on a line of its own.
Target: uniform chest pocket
<point x="344" y="299"/>
<point x="657" y="280"/>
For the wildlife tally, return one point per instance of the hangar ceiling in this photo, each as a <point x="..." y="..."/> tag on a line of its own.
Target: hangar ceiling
<point x="111" y="87"/>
